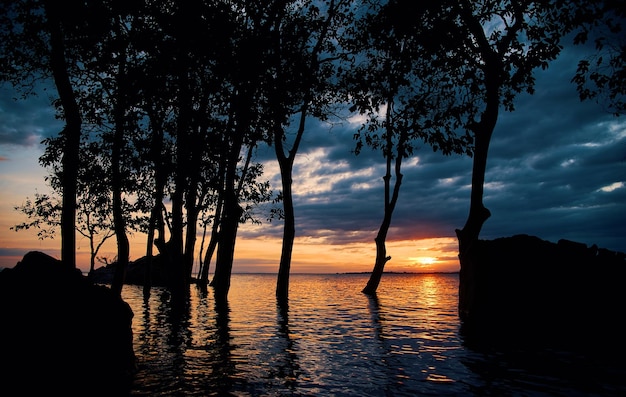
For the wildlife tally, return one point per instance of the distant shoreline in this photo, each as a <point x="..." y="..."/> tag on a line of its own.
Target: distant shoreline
<point x="456" y="272"/>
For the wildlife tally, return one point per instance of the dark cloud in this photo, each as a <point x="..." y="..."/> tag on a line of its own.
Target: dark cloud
<point x="25" y="122"/>
<point x="556" y="169"/>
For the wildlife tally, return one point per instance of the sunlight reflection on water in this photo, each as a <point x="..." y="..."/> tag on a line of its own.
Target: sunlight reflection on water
<point x="331" y="340"/>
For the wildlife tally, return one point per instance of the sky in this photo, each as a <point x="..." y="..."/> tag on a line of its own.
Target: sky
<point x="556" y="170"/>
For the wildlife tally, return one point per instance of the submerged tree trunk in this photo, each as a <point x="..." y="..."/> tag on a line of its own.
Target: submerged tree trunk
<point x="71" y="132"/>
<point x="174" y="248"/>
<point x="119" y="220"/>
<point x="232" y="211"/>
<point x="204" y="274"/>
<point x="285" y="163"/>
<point x="190" y="234"/>
<point x="478" y="213"/>
<point x="217" y="219"/>
<point x="289" y="233"/>
<point x="468" y="236"/>
<point x="228" y="231"/>
<point x="390" y="200"/>
<point x="155" y="224"/>
<point x="194" y="198"/>
<point x="381" y="259"/>
<point x="147" y="276"/>
<point x="156" y="219"/>
<point x="226" y="246"/>
<point x="177" y="270"/>
<point x="381" y="250"/>
<point x="123" y="250"/>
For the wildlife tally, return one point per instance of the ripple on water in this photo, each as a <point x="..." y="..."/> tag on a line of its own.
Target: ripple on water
<point x="331" y="340"/>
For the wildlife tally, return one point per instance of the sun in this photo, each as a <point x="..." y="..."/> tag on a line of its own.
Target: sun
<point x="425" y="260"/>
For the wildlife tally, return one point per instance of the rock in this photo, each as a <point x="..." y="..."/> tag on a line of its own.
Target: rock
<point x="135" y="272"/>
<point x="62" y="334"/>
<point x="532" y="292"/>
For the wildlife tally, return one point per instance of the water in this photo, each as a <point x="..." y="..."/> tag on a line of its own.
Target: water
<point x="332" y="340"/>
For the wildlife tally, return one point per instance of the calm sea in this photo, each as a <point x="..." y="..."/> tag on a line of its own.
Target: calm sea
<point x="332" y="340"/>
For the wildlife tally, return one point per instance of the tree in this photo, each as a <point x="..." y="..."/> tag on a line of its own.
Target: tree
<point x="38" y="40"/>
<point x="93" y="214"/>
<point x="71" y="132"/>
<point x="202" y="108"/>
<point x="94" y="220"/>
<point x="108" y="107"/>
<point x="505" y="44"/>
<point x="43" y="213"/>
<point x="43" y="41"/>
<point x="244" y="66"/>
<point x="407" y="101"/>
<point x="301" y="69"/>
<point x="602" y="76"/>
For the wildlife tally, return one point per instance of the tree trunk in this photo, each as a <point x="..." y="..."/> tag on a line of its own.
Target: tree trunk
<point x="478" y="213"/>
<point x="118" y="215"/>
<point x="147" y="276"/>
<point x="72" y="132"/>
<point x="123" y="249"/>
<point x="190" y="235"/>
<point x="178" y="280"/>
<point x="156" y="221"/>
<point x="92" y="254"/>
<point x="217" y="219"/>
<point x="285" y="163"/>
<point x="289" y="233"/>
<point x="390" y="199"/>
<point x="204" y="276"/>
<point x="468" y="236"/>
<point x="229" y="223"/>
<point x="119" y="221"/>
<point x="483" y="130"/>
<point x="379" y="264"/>
<point x="174" y="248"/>
<point x="381" y="250"/>
<point x="226" y="246"/>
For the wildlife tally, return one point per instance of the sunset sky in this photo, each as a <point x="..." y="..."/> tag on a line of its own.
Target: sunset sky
<point x="556" y="169"/>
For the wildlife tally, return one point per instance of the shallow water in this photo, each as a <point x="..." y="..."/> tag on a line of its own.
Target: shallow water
<point x="332" y="340"/>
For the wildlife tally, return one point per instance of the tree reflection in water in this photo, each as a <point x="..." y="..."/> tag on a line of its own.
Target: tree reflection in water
<point x="222" y="368"/>
<point x="330" y="339"/>
<point x="286" y="367"/>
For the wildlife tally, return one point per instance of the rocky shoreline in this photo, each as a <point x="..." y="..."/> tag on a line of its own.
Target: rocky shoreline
<point x="61" y="334"/>
<point x="65" y="332"/>
<point x="532" y="292"/>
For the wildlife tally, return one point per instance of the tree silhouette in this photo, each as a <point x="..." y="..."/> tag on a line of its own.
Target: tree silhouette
<point x="173" y="98"/>
<point x="302" y="50"/>
<point x="93" y="216"/>
<point x="406" y="99"/>
<point x="507" y="43"/>
<point x="602" y="76"/>
<point x="41" y="40"/>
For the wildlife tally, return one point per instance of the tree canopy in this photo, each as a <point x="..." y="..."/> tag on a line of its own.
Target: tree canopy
<point x="165" y="103"/>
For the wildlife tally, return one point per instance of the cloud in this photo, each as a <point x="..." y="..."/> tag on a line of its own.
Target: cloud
<point x="25" y="122"/>
<point x="556" y="169"/>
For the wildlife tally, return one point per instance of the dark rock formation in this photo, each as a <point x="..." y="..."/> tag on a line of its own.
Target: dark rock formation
<point x="135" y="272"/>
<point x="530" y="292"/>
<point x="62" y="334"/>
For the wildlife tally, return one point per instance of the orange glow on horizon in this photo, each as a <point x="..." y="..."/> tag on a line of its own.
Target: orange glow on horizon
<point x="262" y="255"/>
<point x="311" y="254"/>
